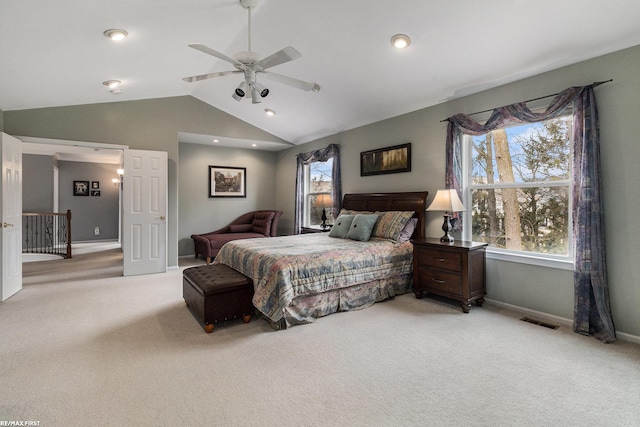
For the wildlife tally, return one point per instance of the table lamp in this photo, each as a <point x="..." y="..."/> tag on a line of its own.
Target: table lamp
<point x="449" y="202"/>
<point x="323" y="201"/>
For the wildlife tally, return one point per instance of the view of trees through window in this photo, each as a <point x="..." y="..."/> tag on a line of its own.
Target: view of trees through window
<point x="520" y="187"/>
<point x="319" y="182"/>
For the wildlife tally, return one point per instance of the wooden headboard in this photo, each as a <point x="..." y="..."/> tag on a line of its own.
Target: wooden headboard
<point x="410" y="201"/>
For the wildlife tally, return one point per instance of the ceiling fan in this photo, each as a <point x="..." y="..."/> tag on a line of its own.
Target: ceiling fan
<point x="249" y="64"/>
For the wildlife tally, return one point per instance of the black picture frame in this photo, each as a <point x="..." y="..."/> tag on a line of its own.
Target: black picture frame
<point x="95" y="185"/>
<point x="80" y="188"/>
<point x="95" y="193"/>
<point x="227" y="181"/>
<point x="386" y="160"/>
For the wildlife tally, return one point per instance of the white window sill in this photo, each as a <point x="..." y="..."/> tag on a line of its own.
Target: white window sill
<point x="524" y="258"/>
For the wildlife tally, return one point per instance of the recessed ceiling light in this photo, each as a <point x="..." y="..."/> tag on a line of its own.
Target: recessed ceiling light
<point x="254" y="145"/>
<point x="400" y="41"/>
<point x="269" y="112"/>
<point x="112" y="84"/>
<point x="115" y="34"/>
<point x="216" y="141"/>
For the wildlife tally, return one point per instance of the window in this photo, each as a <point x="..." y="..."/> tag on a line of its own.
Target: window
<point x="317" y="182"/>
<point x="518" y="188"/>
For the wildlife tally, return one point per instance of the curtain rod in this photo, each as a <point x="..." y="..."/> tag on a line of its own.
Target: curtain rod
<point x="594" y="84"/>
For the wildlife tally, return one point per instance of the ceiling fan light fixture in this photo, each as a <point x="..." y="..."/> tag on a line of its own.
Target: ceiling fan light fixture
<point x="240" y="91"/>
<point x="255" y="96"/>
<point x="316" y="87"/>
<point x="263" y="91"/>
<point x="116" y="34"/>
<point x="400" y="41"/>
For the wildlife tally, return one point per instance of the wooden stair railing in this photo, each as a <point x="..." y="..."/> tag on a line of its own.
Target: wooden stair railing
<point x="46" y="233"/>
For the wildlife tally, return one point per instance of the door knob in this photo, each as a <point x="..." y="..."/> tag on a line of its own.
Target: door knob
<point x="6" y="224"/>
<point x="162" y="218"/>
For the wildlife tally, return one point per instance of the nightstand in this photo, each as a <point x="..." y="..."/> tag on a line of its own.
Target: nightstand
<point x="453" y="270"/>
<point x="308" y="230"/>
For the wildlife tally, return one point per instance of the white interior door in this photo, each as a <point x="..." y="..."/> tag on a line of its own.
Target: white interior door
<point x="11" y="221"/>
<point x="144" y="212"/>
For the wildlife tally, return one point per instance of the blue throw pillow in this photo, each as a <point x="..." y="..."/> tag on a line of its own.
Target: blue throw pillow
<point x="361" y="227"/>
<point x="341" y="226"/>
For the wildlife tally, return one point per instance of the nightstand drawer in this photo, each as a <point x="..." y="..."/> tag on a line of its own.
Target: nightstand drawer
<point x="438" y="280"/>
<point x="440" y="259"/>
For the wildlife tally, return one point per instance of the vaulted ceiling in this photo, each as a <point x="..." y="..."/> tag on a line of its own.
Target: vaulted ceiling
<point x="54" y="53"/>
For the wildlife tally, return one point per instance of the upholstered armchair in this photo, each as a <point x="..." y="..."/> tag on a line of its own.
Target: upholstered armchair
<point x="251" y="225"/>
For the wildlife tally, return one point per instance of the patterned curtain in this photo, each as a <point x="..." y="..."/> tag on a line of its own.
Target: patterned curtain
<point x="592" y="311"/>
<point x="331" y="152"/>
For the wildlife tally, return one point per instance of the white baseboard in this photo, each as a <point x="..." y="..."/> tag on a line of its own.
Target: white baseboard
<point x="562" y="321"/>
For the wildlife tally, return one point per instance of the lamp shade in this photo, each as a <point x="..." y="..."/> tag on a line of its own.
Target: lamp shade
<point x="447" y="201"/>
<point x="323" y="201"/>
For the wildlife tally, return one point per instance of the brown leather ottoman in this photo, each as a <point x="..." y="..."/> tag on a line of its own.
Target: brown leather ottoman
<point x="217" y="292"/>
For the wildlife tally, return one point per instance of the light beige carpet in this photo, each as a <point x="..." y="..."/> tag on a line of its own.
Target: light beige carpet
<point x="81" y="345"/>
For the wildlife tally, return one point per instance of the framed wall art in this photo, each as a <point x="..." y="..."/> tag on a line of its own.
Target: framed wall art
<point x="80" y="188"/>
<point x="386" y="160"/>
<point x="226" y="181"/>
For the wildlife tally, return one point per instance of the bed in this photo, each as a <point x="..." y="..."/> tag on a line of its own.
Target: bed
<point x="300" y="278"/>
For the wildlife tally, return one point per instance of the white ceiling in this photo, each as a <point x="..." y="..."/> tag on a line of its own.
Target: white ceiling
<point x="53" y="53"/>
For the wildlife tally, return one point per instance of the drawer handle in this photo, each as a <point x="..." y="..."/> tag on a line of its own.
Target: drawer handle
<point x="437" y="281"/>
<point x="440" y="259"/>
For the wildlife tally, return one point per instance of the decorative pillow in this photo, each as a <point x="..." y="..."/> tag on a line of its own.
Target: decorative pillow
<point x="341" y="226"/>
<point x="262" y="222"/>
<point x="240" y="228"/>
<point x="361" y="227"/>
<point x="407" y="231"/>
<point x="390" y="224"/>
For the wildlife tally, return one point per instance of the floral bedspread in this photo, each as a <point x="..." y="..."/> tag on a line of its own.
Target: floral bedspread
<point x="286" y="267"/>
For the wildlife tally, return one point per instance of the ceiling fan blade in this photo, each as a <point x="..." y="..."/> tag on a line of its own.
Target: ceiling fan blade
<point x="209" y="51"/>
<point x="209" y="76"/>
<point x="280" y="57"/>
<point x="298" y="84"/>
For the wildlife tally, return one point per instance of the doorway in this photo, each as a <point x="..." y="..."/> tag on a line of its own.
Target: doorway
<point x="51" y="169"/>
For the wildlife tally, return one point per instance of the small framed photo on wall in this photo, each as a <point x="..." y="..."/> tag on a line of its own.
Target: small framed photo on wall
<point x="95" y="185"/>
<point x="80" y="188"/>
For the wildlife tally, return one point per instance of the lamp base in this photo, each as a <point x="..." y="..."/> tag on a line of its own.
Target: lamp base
<point x="324" y="224"/>
<point x="446" y="227"/>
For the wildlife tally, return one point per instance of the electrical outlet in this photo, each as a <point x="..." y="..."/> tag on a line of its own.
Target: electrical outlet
<point x="97" y="231"/>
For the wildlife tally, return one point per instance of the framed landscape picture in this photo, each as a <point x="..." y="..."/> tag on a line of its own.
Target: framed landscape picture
<point x="225" y="181"/>
<point x="386" y="160"/>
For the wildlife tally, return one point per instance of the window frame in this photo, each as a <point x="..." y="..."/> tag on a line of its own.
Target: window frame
<point x="306" y="204"/>
<point x="563" y="262"/>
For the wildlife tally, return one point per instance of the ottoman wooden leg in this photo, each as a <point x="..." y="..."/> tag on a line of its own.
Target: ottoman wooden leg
<point x="246" y="318"/>
<point x="208" y="328"/>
